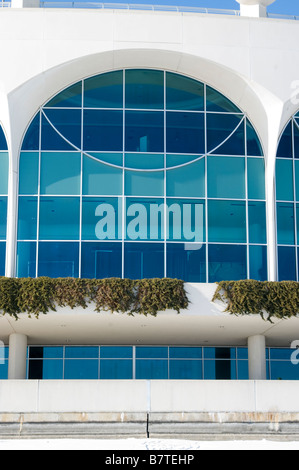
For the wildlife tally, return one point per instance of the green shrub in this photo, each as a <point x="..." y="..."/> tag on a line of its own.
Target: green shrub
<point x="270" y="299"/>
<point x="40" y="295"/>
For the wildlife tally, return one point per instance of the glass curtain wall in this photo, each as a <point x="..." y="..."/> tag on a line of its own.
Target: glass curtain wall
<point x="142" y="174"/>
<point x="3" y="198"/>
<point x="287" y="201"/>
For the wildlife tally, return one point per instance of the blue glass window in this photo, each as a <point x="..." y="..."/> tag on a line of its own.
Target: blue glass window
<point x="227" y="263"/>
<point x="285" y="223"/>
<point x="26" y="259"/>
<point x="28" y="179"/>
<point x="176" y="178"/>
<point x="286" y="263"/>
<point x="104" y="91"/>
<point x="284" y="172"/>
<point x="185" y="133"/>
<point x="69" y="98"/>
<point x="116" y="369"/>
<point x="101" y="260"/>
<point x="227" y="221"/>
<point x="117" y="171"/>
<point x="144" y="89"/>
<point x="59" y="218"/>
<point x="184" y="93"/>
<point x="144" y="131"/>
<point x="219" y="128"/>
<point x="144" y="260"/>
<point x="116" y="352"/>
<point x="285" y="147"/>
<point x="58" y="259"/>
<point x="185" y="370"/>
<point x="186" y="261"/>
<point x="3" y="143"/>
<point x="103" y="131"/>
<point x="226" y="177"/>
<point x="60" y="173"/>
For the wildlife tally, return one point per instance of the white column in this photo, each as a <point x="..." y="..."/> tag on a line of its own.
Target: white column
<point x="257" y="357"/>
<point x="17" y="357"/>
<point x="254" y="8"/>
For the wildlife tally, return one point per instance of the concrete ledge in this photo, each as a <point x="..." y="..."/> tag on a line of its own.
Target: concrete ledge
<point x="155" y="425"/>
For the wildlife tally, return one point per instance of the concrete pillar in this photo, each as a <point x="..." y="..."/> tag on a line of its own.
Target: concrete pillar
<point x="17" y="357"/>
<point x="257" y="357"/>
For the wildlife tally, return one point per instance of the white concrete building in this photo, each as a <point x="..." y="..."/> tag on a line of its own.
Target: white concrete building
<point x="114" y="108"/>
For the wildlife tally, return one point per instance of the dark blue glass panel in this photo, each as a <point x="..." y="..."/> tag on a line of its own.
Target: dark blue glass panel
<point x="242" y="370"/>
<point x="69" y="98"/>
<point x="2" y="258"/>
<point x="152" y="369"/>
<point x="220" y="353"/>
<point x="284" y="370"/>
<point x="281" y="353"/>
<point x="68" y="124"/>
<point x="116" y="352"/>
<point x="183" y="93"/>
<point x="3" y="217"/>
<point x="227" y="263"/>
<point x="296" y="138"/>
<point x="58" y="259"/>
<point x="82" y="352"/>
<point x="220" y="370"/>
<point x="183" y="352"/>
<point x="28" y="173"/>
<point x="257" y="222"/>
<point x="151" y="352"/>
<point x="27" y="218"/>
<point x="242" y="353"/>
<point x="144" y="219"/>
<point x="286" y="263"/>
<point x="258" y="263"/>
<point x="254" y="147"/>
<point x="116" y="369"/>
<point x="216" y="102"/>
<point x="185" y="133"/>
<point x="226" y="177"/>
<point x="31" y="139"/>
<point x="144" y="260"/>
<point x="256" y="178"/>
<point x="101" y="218"/>
<point x="103" y="131"/>
<point x="104" y="91"/>
<point x="227" y="221"/>
<point x="3" y="143"/>
<point x="26" y="259"/>
<point x="53" y="352"/>
<point x="186" y="262"/>
<point x="285" y="224"/>
<point x="51" y="140"/>
<point x="144" y="131"/>
<point x="4" y="370"/>
<point x="81" y="369"/>
<point x="144" y="89"/>
<point x="101" y="260"/>
<point x="285" y="147"/>
<point x="185" y="370"/>
<point x="52" y="369"/>
<point x="60" y="173"/>
<point x="219" y="128"/>
<point x="186" y="181"/>
<point x="284" y="180"/>
<point x="59" y="218"/>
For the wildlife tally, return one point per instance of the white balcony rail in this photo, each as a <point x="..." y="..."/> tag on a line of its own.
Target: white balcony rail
<point x="145" y="7"/>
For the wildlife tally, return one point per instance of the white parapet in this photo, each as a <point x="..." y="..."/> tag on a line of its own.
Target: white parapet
<point x="25" y="3"/>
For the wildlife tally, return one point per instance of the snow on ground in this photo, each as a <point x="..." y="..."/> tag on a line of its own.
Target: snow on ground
<point x="144" y="444"/>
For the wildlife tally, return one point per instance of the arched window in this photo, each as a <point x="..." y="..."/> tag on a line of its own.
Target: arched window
<point x="3" y="198"/>
<point x="142" y="173"/>
<point x="287" y="201"/>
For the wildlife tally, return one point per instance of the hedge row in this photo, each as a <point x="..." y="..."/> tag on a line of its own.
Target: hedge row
<point x="268" y="299"/>
<point x="40" y="295"/>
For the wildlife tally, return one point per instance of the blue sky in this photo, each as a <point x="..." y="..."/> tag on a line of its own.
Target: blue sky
<point x="284" y="7"/>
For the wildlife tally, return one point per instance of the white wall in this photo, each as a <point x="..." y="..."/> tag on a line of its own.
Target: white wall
<point x="142" y="396"/>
